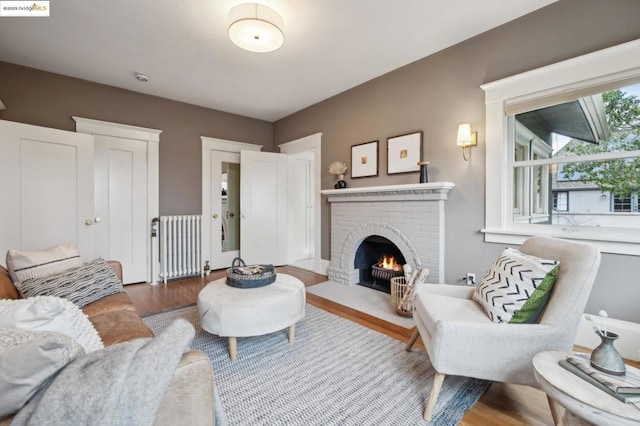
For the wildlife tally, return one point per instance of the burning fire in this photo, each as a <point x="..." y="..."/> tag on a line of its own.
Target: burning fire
<point x="389" y="262"/>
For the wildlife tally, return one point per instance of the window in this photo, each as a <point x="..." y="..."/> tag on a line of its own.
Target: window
<point x="604" y="129"/>
<point x="561" y="201"/>
<point x="626" y="204"/>
<point x="531" y="186"/>
<point x="549" y="134"/>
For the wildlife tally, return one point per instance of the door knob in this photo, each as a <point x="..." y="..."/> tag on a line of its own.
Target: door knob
<point x="215" y="216"/>
<point x="231" y="214"/>
<point x="88" y="222"/>
<point x="98" y="219"/>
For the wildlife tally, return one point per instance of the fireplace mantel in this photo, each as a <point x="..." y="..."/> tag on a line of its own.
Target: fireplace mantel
<point x="412" y="191"/>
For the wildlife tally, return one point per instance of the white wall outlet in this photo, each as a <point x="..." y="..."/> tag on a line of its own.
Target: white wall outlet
<point x="471" y="278"/>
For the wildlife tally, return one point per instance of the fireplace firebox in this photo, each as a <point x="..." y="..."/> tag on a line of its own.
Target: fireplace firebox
<point x="378" y="260"/>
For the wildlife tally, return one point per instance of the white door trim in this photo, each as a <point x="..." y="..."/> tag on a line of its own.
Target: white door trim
<point x="152" y="138"/>
<point x="213" y="144"/>
<point x="312" y="143"/>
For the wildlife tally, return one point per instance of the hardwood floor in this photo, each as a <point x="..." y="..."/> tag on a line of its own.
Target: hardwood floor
<point x="502" y="404"/>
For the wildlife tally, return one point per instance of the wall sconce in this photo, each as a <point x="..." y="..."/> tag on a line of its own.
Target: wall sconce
<point x="2" y="106"/>
<point x="466" y="139"/>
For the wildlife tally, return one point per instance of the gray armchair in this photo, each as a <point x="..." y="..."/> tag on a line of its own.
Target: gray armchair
<point x="461" y="340"/>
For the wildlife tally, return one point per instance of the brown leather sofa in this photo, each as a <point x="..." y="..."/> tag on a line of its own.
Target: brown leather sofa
<point x="189" y="398"/>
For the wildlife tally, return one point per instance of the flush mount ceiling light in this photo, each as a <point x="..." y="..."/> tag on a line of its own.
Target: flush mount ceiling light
<point x="256" y="28"/>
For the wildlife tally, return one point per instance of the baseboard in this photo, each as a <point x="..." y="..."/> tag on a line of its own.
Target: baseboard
<point x="628" y="345"/>
<point x="319" y="266"/>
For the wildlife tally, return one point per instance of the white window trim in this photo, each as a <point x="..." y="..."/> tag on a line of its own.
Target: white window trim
<point x="616" y="64"/>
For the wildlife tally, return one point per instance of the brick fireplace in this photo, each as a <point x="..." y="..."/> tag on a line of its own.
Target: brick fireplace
<point x="409" y="216"/>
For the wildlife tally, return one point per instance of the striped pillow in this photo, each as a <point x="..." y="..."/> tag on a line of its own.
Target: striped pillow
<point x="81" y="285"/>
<point x="37" y="264"/>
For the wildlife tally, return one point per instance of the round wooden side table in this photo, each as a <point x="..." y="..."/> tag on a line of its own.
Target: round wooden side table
<point x="583" y="401"/>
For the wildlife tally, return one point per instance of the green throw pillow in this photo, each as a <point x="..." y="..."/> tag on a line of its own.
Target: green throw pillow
<point x="531" y="310"/>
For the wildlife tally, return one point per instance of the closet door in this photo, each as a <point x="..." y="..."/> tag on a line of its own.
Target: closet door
<point x="264" y="207"/>
<point x="301" y="220"/>
<point x="46" y="179"/>
<point x="126" y="194"/>
<point x="121" y="204"/>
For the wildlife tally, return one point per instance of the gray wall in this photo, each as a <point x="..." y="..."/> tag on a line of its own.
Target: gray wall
<point x="45" y="99"/>
<point x="441" y="91"/>
<point x="434" y="95"/>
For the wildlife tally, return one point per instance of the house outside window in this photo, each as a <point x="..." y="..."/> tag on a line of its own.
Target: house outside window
<point x="551" y="134"/>
<point x="561" y="201"/>
<point x="626" y="204"/>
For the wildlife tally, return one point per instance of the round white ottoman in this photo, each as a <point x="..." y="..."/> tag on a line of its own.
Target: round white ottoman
<point x="241" y="312"/>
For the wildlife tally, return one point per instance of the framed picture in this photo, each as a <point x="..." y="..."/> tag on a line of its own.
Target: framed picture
<point x="364" y="159"/>
<point x="403" y="153"/>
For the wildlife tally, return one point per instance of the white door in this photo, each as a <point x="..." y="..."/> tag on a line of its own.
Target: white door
<point x="300" y="207"/>
<point x="305" y="251"/>
<point x="263" y="207"/>
<point x="46" y="179"/>
<point x="218" y="157"/>
<point x="121" y="204"/>
<point x="225" y="208"/>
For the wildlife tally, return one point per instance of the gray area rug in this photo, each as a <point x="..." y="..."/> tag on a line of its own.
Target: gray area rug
<point x="336" y="373"/>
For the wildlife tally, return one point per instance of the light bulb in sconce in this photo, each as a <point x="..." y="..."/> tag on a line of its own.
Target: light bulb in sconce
<point x="466" y="139"/>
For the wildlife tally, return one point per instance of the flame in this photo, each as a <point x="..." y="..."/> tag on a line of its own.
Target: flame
<point x="389" y="262"/>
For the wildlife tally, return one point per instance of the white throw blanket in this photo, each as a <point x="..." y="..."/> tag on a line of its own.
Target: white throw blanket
<point x="122" y="384"/>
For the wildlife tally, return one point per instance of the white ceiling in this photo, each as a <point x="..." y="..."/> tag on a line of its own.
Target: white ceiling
<point x="182" y="45"/>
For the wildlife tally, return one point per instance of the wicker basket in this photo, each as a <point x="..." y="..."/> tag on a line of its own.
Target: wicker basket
<point x="235" y="278"/>
<point x="398" y="290"/>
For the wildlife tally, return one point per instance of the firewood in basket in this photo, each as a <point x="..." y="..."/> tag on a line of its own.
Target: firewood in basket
<point x="412" y="278"/>
<point x="251" y="270"/>
<point x="406" y="268"/>
<point x="407" y="300"/>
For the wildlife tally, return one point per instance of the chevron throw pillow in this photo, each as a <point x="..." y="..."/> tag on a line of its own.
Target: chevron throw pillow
<point x="517" y="287"/>
<point x="81" y="285"/>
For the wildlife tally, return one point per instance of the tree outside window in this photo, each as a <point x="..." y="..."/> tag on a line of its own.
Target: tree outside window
<point x="621" y="177"/>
